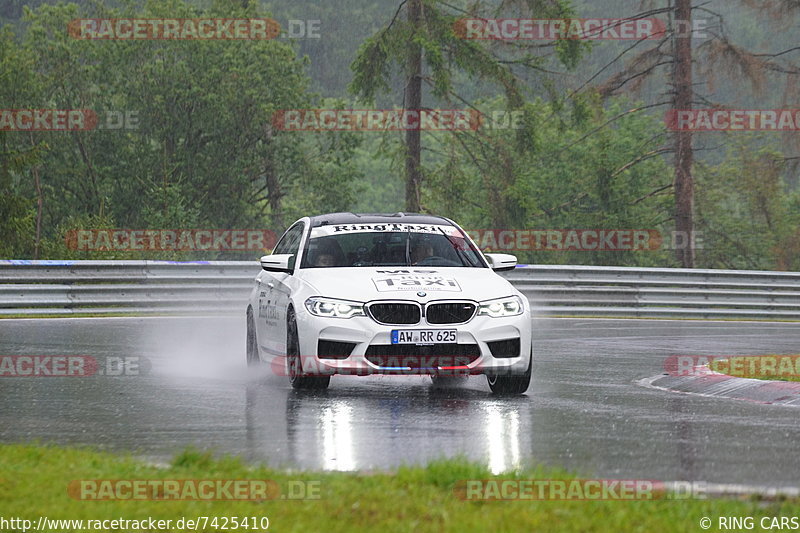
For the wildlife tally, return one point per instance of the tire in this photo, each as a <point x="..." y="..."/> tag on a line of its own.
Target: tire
<point x="511" y="384"/>
<point x="294" y="368"/>
<point x="252" y="349"/>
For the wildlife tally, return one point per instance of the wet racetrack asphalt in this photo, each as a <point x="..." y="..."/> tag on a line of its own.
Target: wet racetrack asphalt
<point x="584" y="411"/>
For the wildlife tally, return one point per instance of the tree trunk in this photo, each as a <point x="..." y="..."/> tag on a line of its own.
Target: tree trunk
<point x="39" y="204"/>
<point x="272" y="181"/>
<point x="684" y="182"/>
<point x="413" y="101"/>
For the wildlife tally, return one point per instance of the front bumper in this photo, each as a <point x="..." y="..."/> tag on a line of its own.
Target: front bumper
<point x="373" y="352"/>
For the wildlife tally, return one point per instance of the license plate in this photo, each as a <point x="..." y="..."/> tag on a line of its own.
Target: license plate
<point x="424" y="336"/>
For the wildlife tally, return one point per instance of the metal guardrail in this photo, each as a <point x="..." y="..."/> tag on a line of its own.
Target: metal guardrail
<point x="160" y="287"/>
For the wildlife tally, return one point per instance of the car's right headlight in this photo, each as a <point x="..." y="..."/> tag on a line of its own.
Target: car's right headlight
<point x="334" y="308"/>
<point x="509" y="306"/>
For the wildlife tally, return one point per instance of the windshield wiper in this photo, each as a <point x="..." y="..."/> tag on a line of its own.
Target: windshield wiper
<point x="408" y="248"/>
<point x="457" y="247"/>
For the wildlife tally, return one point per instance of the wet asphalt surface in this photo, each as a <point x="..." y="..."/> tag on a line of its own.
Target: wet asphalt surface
<point x="584" y="411"/>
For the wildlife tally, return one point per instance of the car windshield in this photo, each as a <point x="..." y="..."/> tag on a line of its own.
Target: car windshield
<point x="366" y="245"/>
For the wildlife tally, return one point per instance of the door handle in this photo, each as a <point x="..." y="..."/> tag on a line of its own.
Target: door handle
<point x="271" y="285"/>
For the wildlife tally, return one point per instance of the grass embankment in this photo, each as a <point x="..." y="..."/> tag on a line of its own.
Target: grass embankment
<point x="34" y="482"/>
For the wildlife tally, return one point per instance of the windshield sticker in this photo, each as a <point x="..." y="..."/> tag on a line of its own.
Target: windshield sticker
<point x="415" y="282"/>
<point x="342" y="229"/>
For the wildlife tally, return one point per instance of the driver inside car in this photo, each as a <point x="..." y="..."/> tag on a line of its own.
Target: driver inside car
<point x="420" y="252"/>
<point x="326" y="253"/>
<point x="324" y="260"/>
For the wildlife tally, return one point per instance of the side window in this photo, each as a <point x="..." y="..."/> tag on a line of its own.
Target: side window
<point x="290" y="242"/>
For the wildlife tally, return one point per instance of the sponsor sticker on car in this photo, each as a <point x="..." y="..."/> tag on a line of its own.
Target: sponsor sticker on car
<point x="415" y="282"/>
<point x="338" y="229"/>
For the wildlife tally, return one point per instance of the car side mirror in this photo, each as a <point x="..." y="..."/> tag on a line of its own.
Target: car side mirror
<point x="278" y="263"/>
<point x="501" y="262"/>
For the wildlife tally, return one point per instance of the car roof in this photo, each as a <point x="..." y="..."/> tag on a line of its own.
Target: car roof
<point x="377" y="218"/>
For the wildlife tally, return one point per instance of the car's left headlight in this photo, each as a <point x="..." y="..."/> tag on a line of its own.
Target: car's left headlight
<point x="508" y="306"/>
<point x="334" y="308"/>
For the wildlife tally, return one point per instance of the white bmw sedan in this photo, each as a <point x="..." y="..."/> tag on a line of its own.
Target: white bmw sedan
<point x="363" y="294"/>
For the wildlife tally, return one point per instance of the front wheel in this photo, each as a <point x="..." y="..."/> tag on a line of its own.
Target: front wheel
<point x="295" y="370"/>
<point x="511" y="384"/>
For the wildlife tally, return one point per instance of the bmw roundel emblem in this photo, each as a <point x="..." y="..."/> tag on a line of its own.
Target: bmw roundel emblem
<point x="422" y="294"/>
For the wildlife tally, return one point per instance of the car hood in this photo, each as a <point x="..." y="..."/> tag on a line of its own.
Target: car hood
<point x="367" y="283"/>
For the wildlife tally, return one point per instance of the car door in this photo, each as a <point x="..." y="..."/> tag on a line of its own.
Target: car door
<point x="279" y="287"/>
<point x="271" y="334"/>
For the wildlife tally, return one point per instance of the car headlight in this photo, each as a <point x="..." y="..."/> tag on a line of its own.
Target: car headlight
<point x="509" y="306"/>
<point x="331" y="307"/>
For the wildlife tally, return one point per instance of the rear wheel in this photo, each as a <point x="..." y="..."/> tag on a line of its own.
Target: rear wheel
<point x="511" y="384"/>
<point x="252" y="349"/>
<point x="295" y="368"/>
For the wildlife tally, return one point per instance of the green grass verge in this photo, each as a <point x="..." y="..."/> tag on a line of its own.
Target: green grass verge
<point x="34" y="481"/>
